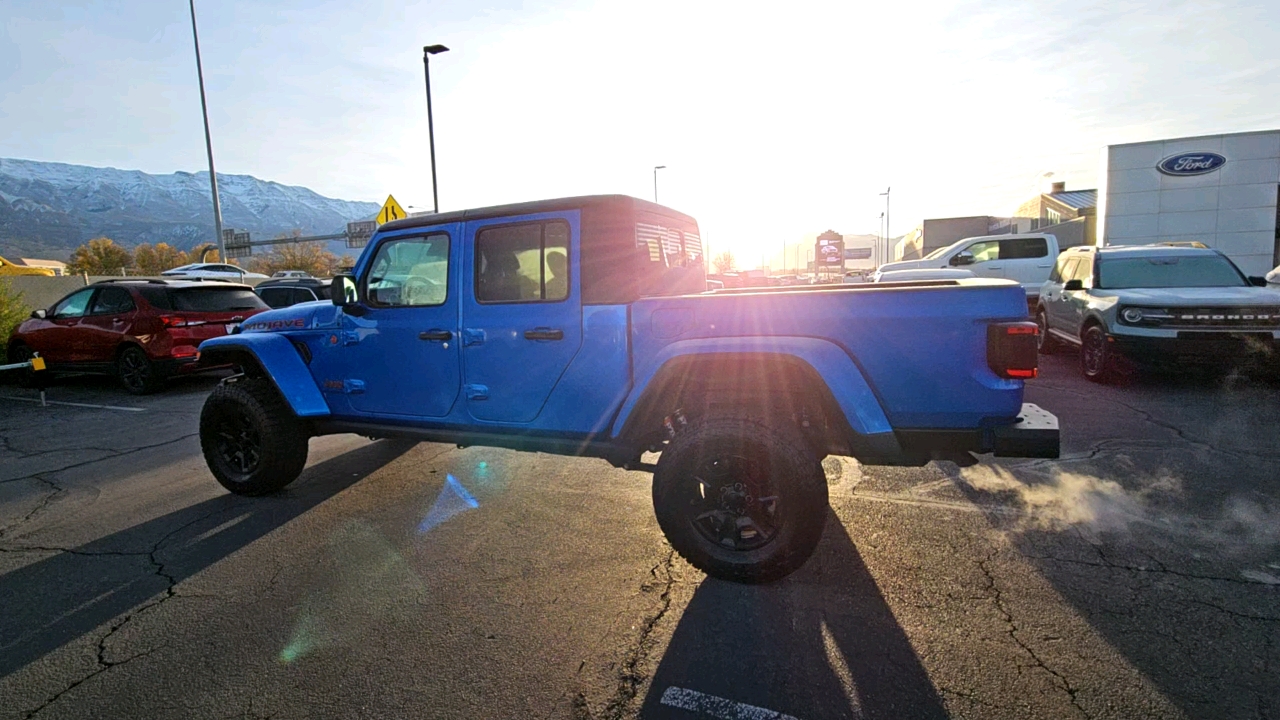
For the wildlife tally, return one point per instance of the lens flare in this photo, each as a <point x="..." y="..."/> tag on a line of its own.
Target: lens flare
<point x="453" y="499"/>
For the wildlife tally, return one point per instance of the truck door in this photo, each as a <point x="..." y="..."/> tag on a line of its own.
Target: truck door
<point x="521" y="312"/>
<point x="398" y="353"/>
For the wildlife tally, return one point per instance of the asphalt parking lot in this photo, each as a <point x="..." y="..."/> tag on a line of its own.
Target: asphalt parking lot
<point x="1136" y="577"/>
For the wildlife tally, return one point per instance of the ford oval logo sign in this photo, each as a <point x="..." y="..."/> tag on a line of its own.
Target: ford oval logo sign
<point x="1191" y="163"/>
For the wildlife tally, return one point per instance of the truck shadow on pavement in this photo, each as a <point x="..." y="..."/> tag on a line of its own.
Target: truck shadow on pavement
<point x="821" y="644"/>
<point x="54" y="601"/>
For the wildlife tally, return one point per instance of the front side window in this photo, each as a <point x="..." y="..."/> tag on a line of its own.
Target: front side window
<point x="410" y="272"/>
<point x="1169" y="272"/>
<point x="985" y="251"/>
<point x="1056" y="275"/>
<point x="73" y="306"/>
<point x="1069" y="269"/>
<point x="1083" y="271"/>
<point x="528" y="262"/>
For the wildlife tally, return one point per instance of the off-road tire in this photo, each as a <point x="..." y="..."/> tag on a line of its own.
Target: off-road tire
<point x="794" y="475"/>
<point x="1097" y="360"/>
<point x="1047" y="344"/>
<point x="252" y="441"/>
<point x="135" y="371"/>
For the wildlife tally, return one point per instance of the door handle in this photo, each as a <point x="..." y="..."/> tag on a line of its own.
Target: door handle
<point x="543" y="334"/>
<point x="435" y="335"/>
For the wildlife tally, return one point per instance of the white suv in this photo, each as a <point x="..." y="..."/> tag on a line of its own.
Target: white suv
<point x="1154" y="305"/>
<point x="212" y="270"/>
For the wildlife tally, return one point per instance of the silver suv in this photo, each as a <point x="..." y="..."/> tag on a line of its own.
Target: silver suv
<point x="1157" y="305"/>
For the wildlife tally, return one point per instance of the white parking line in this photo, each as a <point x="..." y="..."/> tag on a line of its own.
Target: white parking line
<point x="717" y="707"/>
<point x="71" y="404"/>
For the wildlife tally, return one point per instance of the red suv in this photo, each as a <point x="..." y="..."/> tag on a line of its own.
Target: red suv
<point x="141" y="331"/>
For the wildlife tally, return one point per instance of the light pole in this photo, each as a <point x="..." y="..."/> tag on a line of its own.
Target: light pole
<point x="887" y="232"/>
<point x="427" y="52"/>
<point x="656" y="168"/>
<point x="208" y="141"/>
<point x="881" y="242"/>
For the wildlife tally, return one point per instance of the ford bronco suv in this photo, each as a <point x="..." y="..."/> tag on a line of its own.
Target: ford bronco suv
<point x="583" y="326"/>
<point x="1153" y="305"/>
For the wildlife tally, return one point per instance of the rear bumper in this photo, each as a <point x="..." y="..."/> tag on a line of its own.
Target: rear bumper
<point x="1033" y="434"/>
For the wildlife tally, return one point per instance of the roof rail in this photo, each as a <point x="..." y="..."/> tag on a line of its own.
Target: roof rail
<point x="127" y="279"/>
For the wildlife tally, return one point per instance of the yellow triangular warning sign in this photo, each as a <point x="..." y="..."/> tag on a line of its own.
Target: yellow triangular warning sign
<point x="391" y="210"/>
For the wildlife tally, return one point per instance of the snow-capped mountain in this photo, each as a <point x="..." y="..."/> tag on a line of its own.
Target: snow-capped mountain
<point x="50" y="208"/>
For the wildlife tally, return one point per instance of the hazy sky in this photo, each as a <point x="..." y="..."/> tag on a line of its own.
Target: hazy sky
<point x="776" y="120"/>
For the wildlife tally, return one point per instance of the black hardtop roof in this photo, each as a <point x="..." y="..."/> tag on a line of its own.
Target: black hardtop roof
<point x="616" y="202"/>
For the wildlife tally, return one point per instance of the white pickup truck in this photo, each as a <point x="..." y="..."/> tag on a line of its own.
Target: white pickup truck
<point x="1027" y="259"/>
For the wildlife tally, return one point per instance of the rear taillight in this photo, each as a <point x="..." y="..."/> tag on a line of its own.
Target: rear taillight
<point x="1012" y="350"/>
<point x="172" y="321"/>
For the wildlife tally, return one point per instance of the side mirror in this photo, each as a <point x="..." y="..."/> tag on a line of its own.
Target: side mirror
<point x="1256" y="281"/>
<point x="39" y="314"/>
<point x="964" y="257"/>
<point x="1073" y="285"/>
<point x="343" y="290"/>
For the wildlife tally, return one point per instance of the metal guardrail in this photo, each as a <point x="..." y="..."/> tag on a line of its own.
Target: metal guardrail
<point x="39" y="371"/>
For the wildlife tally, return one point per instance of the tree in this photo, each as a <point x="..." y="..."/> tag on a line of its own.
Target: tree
<point x="99" y="256"/>
<point x="311" y="257"/>
<point x="724" y="262"/>
<point x="198" y="251"/>
<point x="150" y="260"/>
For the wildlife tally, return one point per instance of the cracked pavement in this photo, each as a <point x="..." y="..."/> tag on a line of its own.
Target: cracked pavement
<point x="1136" y="577"/>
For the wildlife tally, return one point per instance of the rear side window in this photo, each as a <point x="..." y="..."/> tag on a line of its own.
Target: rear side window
<point x="1022" y="248"/>
<point x="112" y="301"/>
<point x="213" y="299"/>
<point x="156" y="297"/>
<point x="528" y="262"/>
<point x="277" y="297"/>
<point x="671" y="260"/>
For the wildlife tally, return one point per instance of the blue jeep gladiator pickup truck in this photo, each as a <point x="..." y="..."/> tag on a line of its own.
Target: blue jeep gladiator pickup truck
<point x="582" y="326"/>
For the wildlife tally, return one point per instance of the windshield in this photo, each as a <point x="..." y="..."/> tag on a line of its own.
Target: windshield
<point x="1168" y="272"/>
<point x="216" y="299"/>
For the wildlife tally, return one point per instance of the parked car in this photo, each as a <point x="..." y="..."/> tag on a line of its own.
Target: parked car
<point x="291" y="274"/>
<point x="1273" y="277"/>
<point x="539" y="326"/>
<point x="283" y="292"/>
<point x="1025" y="259"/>
<point x="212" y="270"/>
<point x="1157" y="305"/>
<point x="922" y="274"/>
<point x="141" y="331"/>
<point x="10" y="269"/>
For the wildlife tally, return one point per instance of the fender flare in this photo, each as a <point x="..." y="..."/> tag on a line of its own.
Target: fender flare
<point x="830" y="363"/>
<point x="280" y="362"/>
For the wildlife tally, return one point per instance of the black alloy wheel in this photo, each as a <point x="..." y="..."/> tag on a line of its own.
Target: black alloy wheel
<point x="236" y="441"/>
<point x="735" y="506"/>
<point x="1045" y="343"/>
<point x="1096" y="360"/>
<point x="136" y="372"/>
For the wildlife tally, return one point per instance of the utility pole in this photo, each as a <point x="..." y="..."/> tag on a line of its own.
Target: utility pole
<point x="887" y="232"/>
<point x="427" y="52"/>
<point x="208" y="141"/>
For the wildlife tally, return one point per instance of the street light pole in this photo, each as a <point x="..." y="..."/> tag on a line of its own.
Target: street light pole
<point x="887" y="232"/>
<point x="656" y="168"/>
<point x="427" y="52"/>
<point x="208" y="141"/>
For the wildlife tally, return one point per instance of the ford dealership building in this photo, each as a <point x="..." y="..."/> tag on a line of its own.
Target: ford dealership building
<point x="1221" y="190"/>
